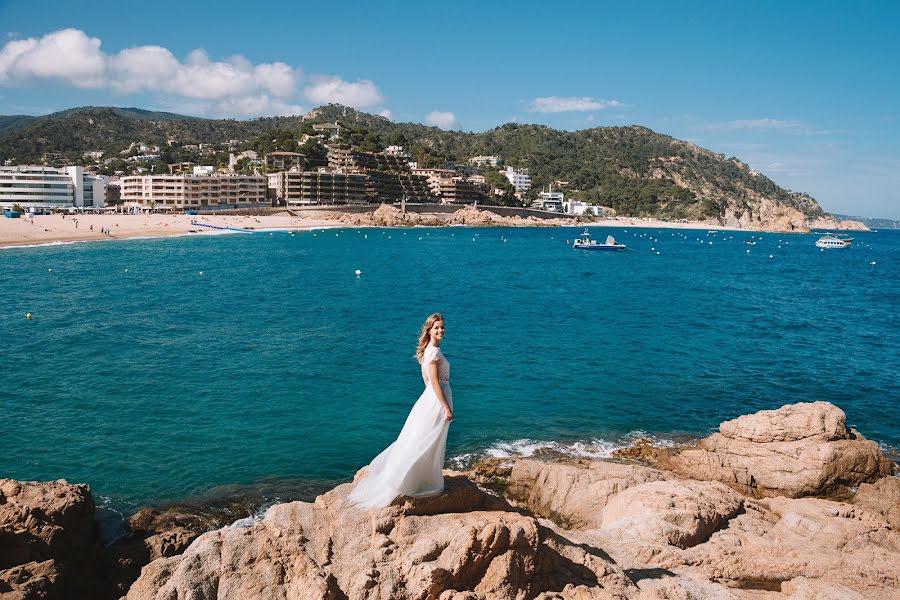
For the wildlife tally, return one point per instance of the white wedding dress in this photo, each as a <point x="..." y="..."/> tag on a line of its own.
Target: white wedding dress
<point x="413" y="464"/>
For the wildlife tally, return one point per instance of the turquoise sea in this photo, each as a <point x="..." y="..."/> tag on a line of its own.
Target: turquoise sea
<point x="169" y="369"/>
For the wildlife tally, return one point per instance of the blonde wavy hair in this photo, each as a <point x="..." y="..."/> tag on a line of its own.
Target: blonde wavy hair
<point x="425" y="337"/>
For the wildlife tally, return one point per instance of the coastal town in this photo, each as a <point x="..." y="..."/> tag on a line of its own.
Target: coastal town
<point x="350" y="177"/>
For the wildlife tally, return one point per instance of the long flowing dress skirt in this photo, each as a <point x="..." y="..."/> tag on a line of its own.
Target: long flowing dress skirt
<point x="413" y="464"/>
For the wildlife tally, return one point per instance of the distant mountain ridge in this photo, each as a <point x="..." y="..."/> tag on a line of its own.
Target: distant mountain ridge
<point x="631" y="169"/>
<point x="873" y="222"/>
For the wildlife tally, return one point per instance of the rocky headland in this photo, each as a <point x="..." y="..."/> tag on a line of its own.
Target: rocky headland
<point x="388" y="215"/>
<point x="788" y="503"/>
<point x="779" y="219"/>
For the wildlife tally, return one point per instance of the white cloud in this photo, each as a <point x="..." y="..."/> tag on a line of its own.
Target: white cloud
<point x="386" y="113"/>
<point x="232" y="86"/>
<point x="67" y="55"/>
<point x="444" y="120"/>
<point x="330" y="89"/>
<point x="142" y="68"/>
<point x="558" y="104"/>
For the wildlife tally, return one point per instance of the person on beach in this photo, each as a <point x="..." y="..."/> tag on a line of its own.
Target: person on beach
<point x="413" y="465"/>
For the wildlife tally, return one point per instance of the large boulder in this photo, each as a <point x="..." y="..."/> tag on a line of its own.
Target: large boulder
<point x="49" y="542"/>
<point x="676" y="513"/>
<point x="798" y="450"/>
<point x="465" y="543"/>
<point x="574" y="494"/>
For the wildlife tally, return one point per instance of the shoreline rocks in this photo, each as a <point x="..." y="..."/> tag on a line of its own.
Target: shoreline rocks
<point x="801" y="449"/>
<point x="565" y="530"/>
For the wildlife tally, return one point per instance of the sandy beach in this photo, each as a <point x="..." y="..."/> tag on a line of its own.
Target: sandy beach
<point x="45" y="229"/>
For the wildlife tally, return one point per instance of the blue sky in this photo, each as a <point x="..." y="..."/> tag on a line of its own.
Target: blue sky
<point x="806" y="92"/>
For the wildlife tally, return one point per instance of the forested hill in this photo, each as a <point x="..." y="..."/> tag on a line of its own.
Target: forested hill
<point x="632" y="169"/>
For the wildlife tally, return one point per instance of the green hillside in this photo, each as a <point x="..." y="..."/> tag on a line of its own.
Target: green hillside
<point x="631" y="169"/>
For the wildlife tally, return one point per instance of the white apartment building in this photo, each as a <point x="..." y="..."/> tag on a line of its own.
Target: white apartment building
<point x="485" y="161"/>
<point x="552" y="201"/>
<point x="398" y="151"/>
<point x="189" y="191"/>
<point x="90" y="189"/>
<point x="519" y="178"/>
<point x="578" y="208"/>
<point x="39" y="188"/>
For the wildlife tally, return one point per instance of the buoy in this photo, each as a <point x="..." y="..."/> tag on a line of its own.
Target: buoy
<point x="657" y="253"/>
<point x="27" y="315"/>
<point x="358" y="272"/>
<point x="126" y="270"/>
<point x="748" y="252"/>
<point x="770" y="256"/>
<point x="872" y="263"/>
<point x="200" y="273"/>
<point x="49" y="270"/>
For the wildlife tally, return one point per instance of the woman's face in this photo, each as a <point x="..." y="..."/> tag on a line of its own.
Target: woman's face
<point x="437" y="331"/>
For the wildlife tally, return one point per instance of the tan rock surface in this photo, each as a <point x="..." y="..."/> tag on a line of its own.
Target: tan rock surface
<point x="780" y="539"/>
<point x="797" y="450"/>
<point x="49" y="542"/>
<point x="31" y="580"/>
<point x="883" y="498"/>
<point x="574" y="494"/>
<point x="676" y="513"/>
<point x="462" y="543"/>
<point x="40" y="521"/>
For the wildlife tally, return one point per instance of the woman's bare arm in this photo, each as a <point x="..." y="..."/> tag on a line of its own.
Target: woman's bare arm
<point x="435" y="382"/>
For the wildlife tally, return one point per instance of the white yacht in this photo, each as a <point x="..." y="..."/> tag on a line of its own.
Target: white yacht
<point x="830" y="241"/>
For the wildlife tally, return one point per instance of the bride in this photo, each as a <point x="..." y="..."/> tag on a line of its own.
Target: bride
<point x="413" y="464"/>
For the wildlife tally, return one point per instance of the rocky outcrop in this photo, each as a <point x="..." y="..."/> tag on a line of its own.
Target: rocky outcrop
<point x="829" y="222"/>
<point x="677" y="513"/>
<point x="568" y="530"/>
<point x="778" y="540"/>
<point x="680" y="538"/>
<point x="573" y="494"/>
<point x="798" y="450"/>
<point x="881" y="497"/>
<point x="49" y="544"/>
<point x="465" y="543"/>
<point x="388" y="215"/>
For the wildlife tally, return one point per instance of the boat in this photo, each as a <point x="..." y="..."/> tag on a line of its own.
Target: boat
<point x="750" y="243"/>
<point x="586" y="243"/>
<point x="831" y="241"/>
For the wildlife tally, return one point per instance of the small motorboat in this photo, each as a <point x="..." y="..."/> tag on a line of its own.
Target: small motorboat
<point x="750" y="243"/>
<point x="586" y="243"/>
<point x="831" y="241"/>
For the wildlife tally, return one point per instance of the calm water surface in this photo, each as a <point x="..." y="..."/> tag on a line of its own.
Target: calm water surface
<point x="152" y="382"/>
